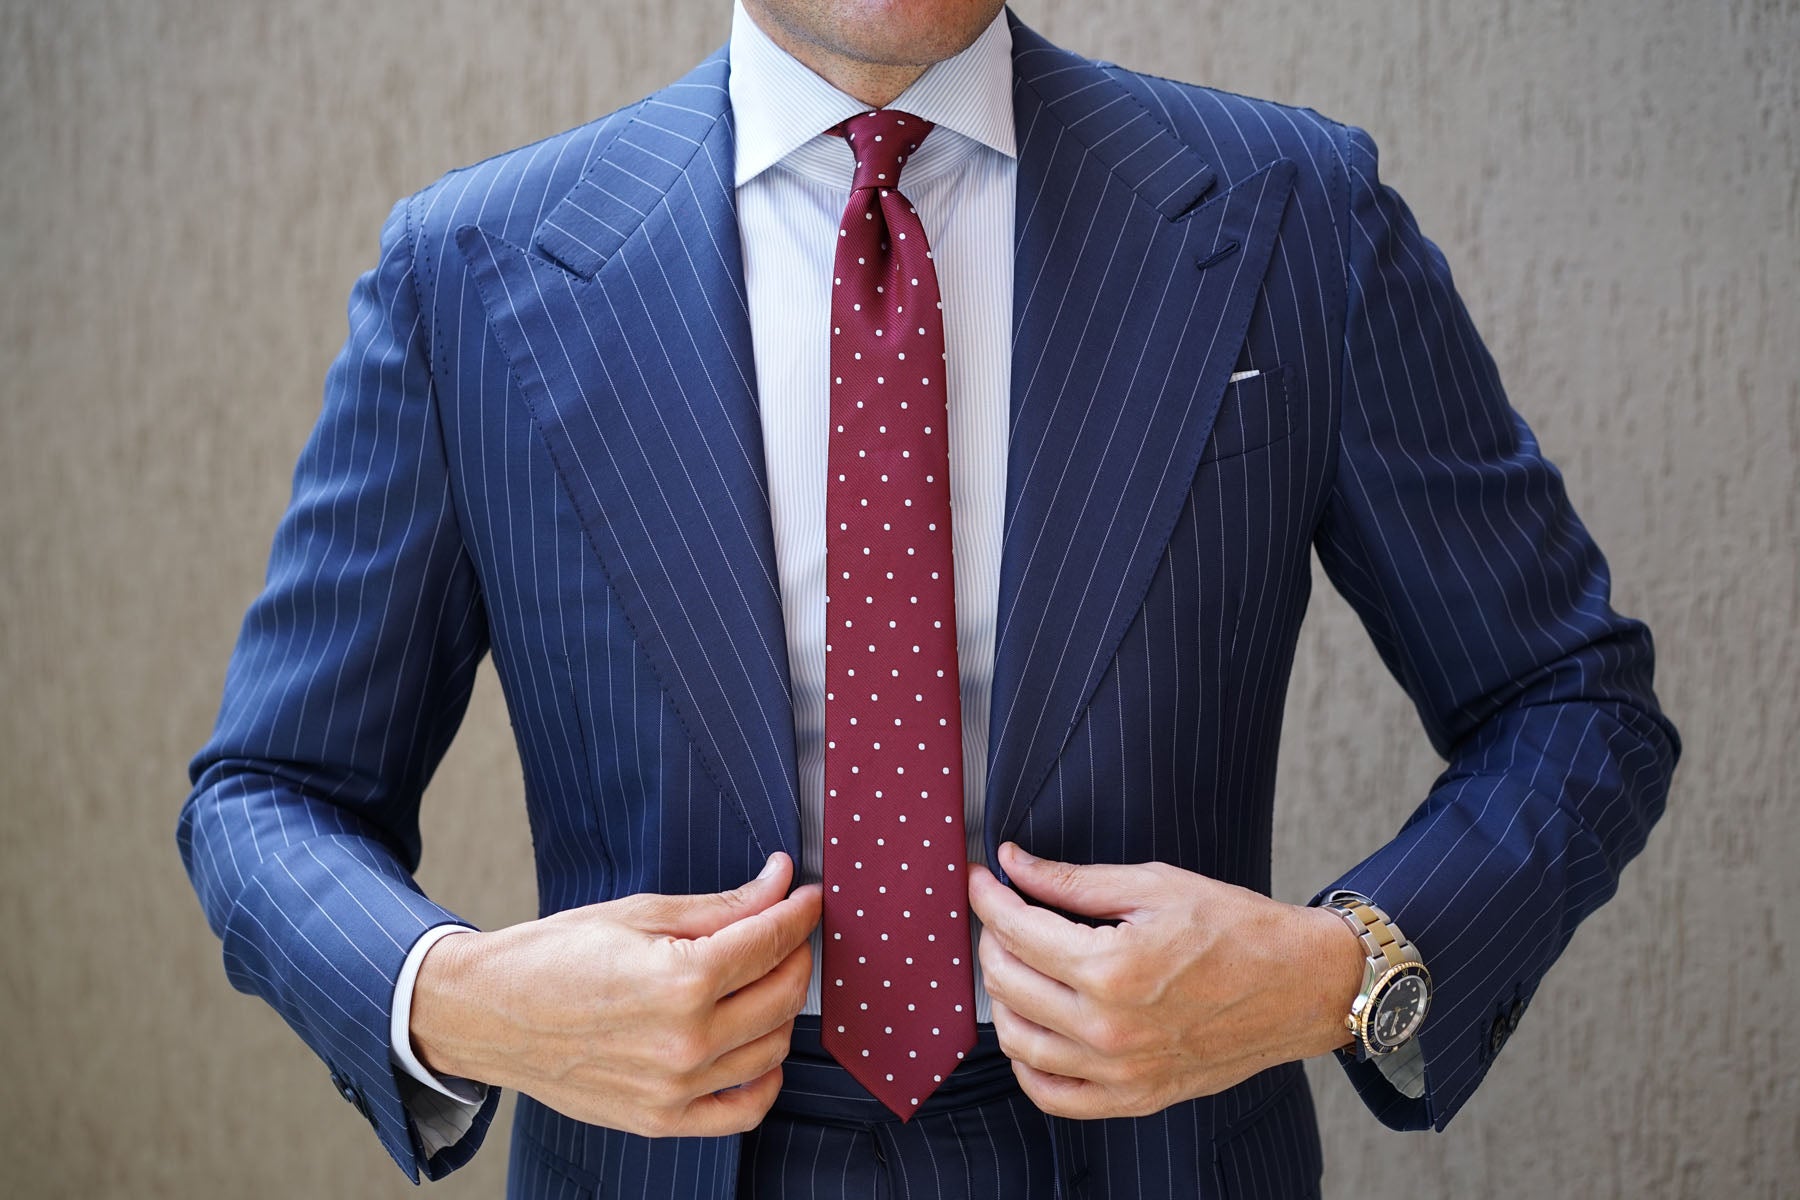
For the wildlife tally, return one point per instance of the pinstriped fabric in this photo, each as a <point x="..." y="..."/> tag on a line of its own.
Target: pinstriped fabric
<point x="1000" y="1150"/>
<point x="352" y="670"/>
<point x="543" y="439"/>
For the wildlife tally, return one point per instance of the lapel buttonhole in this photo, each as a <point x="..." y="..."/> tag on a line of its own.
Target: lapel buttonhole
<point x="1217" y="256"/>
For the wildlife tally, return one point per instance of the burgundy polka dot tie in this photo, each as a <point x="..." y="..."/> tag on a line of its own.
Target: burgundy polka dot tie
<point x="899" y="992"/>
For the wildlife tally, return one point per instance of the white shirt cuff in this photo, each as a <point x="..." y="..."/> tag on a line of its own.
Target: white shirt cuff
<point x="464" y="1091"/>
<point x="1405" y="1069"/>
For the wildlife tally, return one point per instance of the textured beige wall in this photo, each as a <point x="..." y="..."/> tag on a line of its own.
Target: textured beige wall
<point x="187" y="188"/>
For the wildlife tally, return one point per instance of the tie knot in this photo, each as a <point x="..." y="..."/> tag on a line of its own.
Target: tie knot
<point x="882" y="141"/>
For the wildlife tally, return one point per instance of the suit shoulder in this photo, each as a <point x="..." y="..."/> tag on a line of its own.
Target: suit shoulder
<point x="1239" y="134"/>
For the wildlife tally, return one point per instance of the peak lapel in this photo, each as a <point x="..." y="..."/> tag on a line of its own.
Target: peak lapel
<point x="628" y="335"/>
<point x="1134" y="282"/>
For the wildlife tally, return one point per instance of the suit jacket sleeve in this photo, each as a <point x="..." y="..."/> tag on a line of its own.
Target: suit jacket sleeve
<point x="351" y="673"/>
<point x="1451" y="535"/>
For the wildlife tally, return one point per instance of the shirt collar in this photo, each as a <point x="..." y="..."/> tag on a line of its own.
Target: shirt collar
<point x="780" y="105"/>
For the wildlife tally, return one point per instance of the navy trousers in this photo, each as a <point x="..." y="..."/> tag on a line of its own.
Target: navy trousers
<point x="827" y="1138"/>
<point x="978" y="1137"/>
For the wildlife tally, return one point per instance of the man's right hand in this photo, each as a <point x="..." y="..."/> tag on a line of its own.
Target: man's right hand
<point x="657" y="1015"/>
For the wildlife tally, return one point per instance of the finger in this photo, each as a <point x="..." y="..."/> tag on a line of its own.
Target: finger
<point x="1119" y="891"/>
<point x="1059" y="1095"/>
<point x="753" y="1060"/>
<point x="746" y="950"/>
<point x="1025" y="1041"/>
<point x="1053" y="945"/>
<point x="698" y="916"/>
<point x="764" y="1004"/>
<point x="733" y="1110"/>
<point x="1028" y="991"/>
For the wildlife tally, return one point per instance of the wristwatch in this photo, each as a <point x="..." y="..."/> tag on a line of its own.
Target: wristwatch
<point x="1396" y="990"/>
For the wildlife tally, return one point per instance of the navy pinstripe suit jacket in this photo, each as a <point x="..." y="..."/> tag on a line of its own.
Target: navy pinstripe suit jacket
<point x="541" y="440"/>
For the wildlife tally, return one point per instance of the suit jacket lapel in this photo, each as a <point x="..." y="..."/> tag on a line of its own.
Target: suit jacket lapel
<point x="1134" y="282"/>
<point x="629" y="338"/>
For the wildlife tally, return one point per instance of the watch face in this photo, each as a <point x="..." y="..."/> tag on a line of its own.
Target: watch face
<point x="1401" y="1010"/>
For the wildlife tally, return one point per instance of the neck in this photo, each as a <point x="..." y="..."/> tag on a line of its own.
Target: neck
<point x="875" y="84"/>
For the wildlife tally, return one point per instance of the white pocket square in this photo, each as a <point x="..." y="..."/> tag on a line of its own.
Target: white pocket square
<point x="1240" y="376"/>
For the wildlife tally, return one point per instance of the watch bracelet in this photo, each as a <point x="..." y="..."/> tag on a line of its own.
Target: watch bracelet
<point x="1381" y="938"/>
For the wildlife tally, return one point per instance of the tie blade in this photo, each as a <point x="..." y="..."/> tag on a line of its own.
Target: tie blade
<point x="899" y="1005"/>
<point x="901" y="1079"/>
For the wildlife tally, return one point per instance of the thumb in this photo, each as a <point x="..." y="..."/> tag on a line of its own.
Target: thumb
<point x="1106" y="890"/>
<point x="703" y="915"/>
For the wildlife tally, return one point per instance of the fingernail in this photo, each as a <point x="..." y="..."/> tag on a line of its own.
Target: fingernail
<point x="1019" y="853"/>
<point x="768" y="870"/>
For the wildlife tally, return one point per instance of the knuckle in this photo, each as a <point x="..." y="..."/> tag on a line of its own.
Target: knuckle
<point x="796" y="1000"/>
<point x="751" y="1115"/>
<point x="1094" y="977"/>
<point x="688" y="986"/>
<point x="1139" y="1101"/>
<point x="688" y="1052"/>
<point x="988" y="953"/>
<point x="658" y="1122"/>
<point x="1114" y="979"/>
<point x="662" y="1093"/>
<point x="1110" y="1037"/>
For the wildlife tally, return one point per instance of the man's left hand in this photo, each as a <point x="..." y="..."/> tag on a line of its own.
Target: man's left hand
<point x="1199" y="986"/>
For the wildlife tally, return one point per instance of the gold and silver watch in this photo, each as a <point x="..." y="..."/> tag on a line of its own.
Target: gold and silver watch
<point x="1396" y="990"/>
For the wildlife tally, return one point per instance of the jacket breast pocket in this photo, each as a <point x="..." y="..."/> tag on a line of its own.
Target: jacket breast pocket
<point x="1252" y="414"/>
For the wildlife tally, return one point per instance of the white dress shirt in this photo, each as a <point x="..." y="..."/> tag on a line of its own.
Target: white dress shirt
<point x="793" y="182"/>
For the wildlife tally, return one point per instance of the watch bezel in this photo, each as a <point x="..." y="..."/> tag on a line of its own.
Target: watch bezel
<point x="1369" y="1002"/>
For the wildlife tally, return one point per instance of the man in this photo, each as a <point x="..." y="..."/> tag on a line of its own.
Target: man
<point x="629" y="408"/>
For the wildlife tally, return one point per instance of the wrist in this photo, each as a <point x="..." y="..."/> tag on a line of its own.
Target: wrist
<point x="1336" y="963"/>
<point x="444" y="1010"/>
